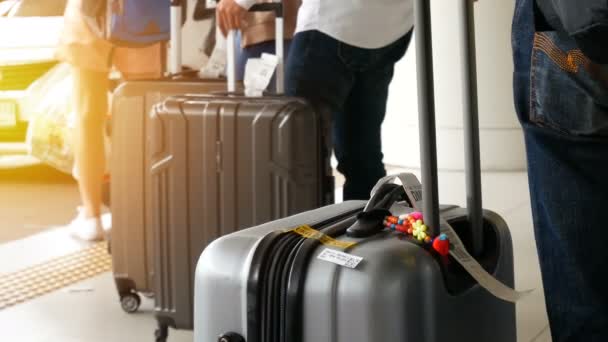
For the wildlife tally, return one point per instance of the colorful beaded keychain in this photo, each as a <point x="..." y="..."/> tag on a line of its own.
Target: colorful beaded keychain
<point x="413" y="224"/>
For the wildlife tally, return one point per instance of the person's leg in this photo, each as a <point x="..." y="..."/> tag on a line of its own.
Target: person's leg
<point x="91" y="106"/>
<point x="568" y="190"/>
<point x="357" y="130"/>
<point x="315" y="72"/>
<point x="565" y="123"/>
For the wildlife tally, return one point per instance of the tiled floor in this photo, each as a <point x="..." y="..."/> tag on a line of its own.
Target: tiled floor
<point x="89" y="311"/>
<point x="32" y="198"/>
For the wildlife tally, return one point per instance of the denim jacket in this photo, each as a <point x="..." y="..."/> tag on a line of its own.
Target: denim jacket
<point x="586" y="21"/>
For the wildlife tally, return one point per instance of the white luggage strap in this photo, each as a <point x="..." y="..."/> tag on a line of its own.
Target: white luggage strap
<point x="413" y="189"/>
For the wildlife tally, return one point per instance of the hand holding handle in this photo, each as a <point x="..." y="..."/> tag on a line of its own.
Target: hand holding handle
<point x="277" y="8"/>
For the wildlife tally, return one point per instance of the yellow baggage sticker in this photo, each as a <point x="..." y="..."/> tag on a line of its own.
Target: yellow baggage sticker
<point x="311" y="233"/>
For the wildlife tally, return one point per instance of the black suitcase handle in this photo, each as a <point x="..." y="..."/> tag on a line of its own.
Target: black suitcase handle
<point x="276" y="7"/>
<point x="426" y="113"/>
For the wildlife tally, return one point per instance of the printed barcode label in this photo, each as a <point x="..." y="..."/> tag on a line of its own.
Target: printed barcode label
<point x="340" y="258"/>
<point x="417" y="194"/>
<point x="413" y="189"/>
<point x="411" y="184"/>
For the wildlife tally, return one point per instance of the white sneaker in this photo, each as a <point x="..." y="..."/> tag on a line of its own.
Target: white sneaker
<point x="86" y="228"/>
<point x="106" y="222"/>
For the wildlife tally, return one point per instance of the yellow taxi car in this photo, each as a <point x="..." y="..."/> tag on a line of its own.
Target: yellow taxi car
<point x="26" y="54"/>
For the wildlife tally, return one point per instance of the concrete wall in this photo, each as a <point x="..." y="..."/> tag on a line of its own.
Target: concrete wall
<point x="501" y="137"/>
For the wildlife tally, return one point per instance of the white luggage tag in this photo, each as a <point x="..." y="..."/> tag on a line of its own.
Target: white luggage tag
<point x="413" y="189"/>
<point x="410" y="183"/>
<point x="258" y="73"/>
<point x="485" y="279"/>
<point x="340" y="258"/>
<point x="216" y="65"/>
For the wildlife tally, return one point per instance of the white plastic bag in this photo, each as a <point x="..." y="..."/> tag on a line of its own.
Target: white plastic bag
<point x="50" y="134"/>
<point x="216" y="64"/>
<point x="50" y="131"/>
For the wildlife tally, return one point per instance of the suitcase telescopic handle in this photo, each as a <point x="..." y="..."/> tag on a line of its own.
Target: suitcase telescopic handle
<point x="277" y="8"/>
<point x="426" y="113"/>
<point x="175" y="43"/>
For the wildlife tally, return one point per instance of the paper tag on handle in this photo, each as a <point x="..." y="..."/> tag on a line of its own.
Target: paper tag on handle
<point x="258" y="73"/>
<point x="413" y="190"/>
<point x="216" y="65"/>
<point x="485" y="279"/>
<point x="411" y="184"/>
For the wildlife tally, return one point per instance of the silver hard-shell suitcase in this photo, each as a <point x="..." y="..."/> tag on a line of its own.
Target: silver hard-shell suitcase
<point x="247" y="285"/>
<point x="221" y="163"/>
<point x="336" y="274"/>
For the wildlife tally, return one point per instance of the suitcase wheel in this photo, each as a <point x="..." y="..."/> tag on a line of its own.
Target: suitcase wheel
<point x="161" y="333"/>
<point x="231" y="337"/>
<point x="130" y="302"/>
<point x="109" y="245"/>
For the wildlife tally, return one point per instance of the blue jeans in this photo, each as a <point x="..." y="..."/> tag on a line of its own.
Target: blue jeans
<point x="350" y="84"/>
<point x="562" y="102"/>
<point x="256" y="51"/>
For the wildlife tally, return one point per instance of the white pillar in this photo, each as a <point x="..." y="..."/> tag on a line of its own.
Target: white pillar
<point x="501" y="136"/>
